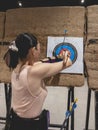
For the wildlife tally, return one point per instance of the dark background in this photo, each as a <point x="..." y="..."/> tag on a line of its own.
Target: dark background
<point x="11" y="4"/>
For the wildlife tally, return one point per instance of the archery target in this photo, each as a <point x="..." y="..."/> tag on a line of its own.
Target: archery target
<point x="66" y="46"/>
<point x="73" y="44"/>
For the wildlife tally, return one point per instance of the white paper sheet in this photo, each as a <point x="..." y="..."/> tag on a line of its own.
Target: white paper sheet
<point x="77" y="42"/>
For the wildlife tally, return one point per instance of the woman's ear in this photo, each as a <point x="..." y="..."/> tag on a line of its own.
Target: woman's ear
<point x="34" y="50"/>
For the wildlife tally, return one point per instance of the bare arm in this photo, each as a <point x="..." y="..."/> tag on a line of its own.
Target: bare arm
<point x="44" y="70"/>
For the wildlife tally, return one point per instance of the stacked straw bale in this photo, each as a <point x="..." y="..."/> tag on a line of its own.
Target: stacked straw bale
<point x="45" y="21"/>
<point x="91" y="49"/>
<point x="5" y="73"/>
<point x="2" y="50"/>
<point x="91" y="60"/>
<point x="2" y="24"/>
<point x="92" y="22"/>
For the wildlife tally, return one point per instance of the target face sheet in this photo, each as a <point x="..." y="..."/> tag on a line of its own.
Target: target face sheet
<point x="74" y="45"/>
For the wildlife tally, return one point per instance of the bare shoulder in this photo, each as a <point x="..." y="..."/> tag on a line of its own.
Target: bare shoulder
<point x="34" y="68"/>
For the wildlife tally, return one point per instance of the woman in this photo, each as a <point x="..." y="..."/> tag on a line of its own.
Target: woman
<point x="28" y="89"/>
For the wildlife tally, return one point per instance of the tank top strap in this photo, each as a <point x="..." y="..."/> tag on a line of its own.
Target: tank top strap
<point x="28" y="87"/>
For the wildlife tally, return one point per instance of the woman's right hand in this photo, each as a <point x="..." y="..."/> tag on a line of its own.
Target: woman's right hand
<point x="65" y="55"/>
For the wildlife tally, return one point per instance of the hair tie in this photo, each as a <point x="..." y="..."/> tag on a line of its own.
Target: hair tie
<point x="13" y="46"/>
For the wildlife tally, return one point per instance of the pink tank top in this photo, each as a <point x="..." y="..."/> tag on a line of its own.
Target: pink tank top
<point x="23" y="102"/>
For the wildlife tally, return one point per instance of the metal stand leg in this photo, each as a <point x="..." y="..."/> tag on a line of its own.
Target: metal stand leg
<point x="70" y="99"/>
<point x="72" y="117"/>
<point x="7" y="89"/>
<point x="68" y="105"/>
<point x="7" y="98"/>
<point x="88" y="109"/>
<point x="8" y="102"/>
<point x="96" y="110"/>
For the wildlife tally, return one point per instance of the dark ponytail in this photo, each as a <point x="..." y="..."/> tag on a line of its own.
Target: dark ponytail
<point x="19" y="49"/>
<point x="11" y="58"/>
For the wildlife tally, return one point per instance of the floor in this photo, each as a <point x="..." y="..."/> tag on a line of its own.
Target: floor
<point x="56" y="102"/>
